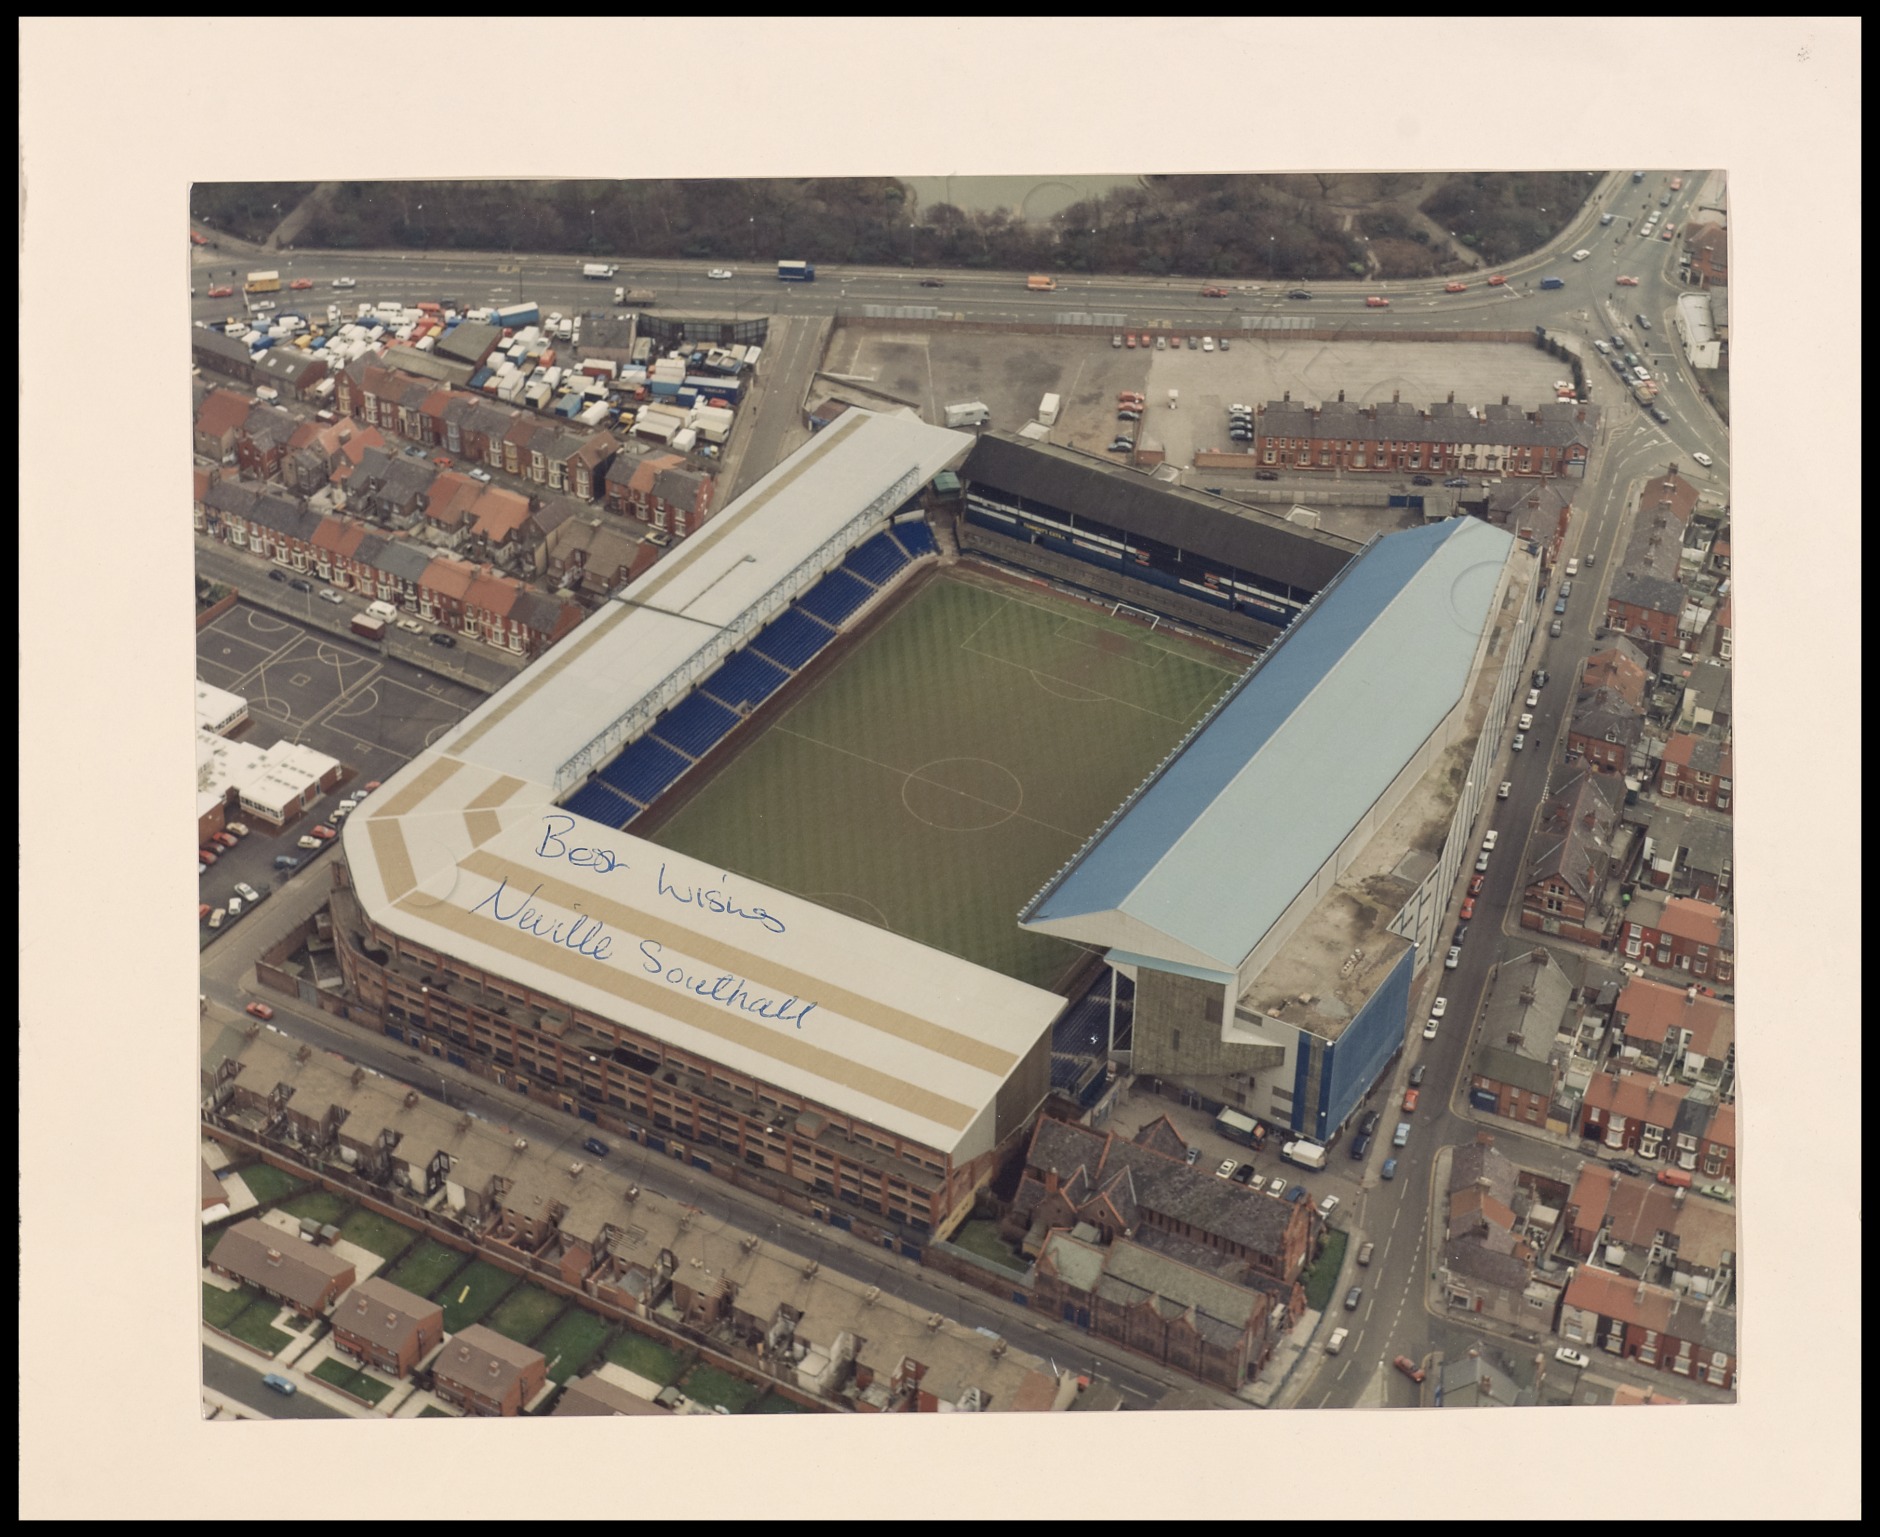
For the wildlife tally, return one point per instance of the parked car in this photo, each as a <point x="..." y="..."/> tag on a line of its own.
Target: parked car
<point x="1193" y="343"/>
<point x="1353" y="1298"/>
<point x="239" y="829"/>
<point x="1115" y="341"/>
<point x="1481" y="863"/>
<point x="1417" y="1072"/>
<point x="1328" y="1205"/>
<point x="441" y="639"/>
<point x="1389" y="1171"/>
<point x="1520" y="741"/>
<point x="1625" y="1166"/>
<point x="1477" y="882"/>
<point x="1207" y="344"/>
<point x="1526" y="722"/>
<point x="1365" y="1253"/>
<point x="1266" y="474"/>
<point x="224" y="840"/>
<point x="206" y="856"/>
<point x="1429" y="1028"/>
<point x="1643" y="323"/>
<point x="260" y="1011"/>
<point x="1298" y="1195"/>
<point x="1223" y="344"/>
<point x="1369" y="1123"/>
<point x="280" y="1384"/>
<point x="1457" y="482"/>
<point x="1193" y="1154"/>
<point x="286" y="862"/>
<point x="307" y="841"/>
<point x="1337" y="1341"/>
<point x="1468" y="907"/>
<point x="1571" y="1358"/>
<point x="1410" y="1101"/>
<point x="1504" y="790"/>
<point x="1401" y="1136"/>
<point x="1454" y="959"/>
<point x="328" y="595"/>
<point x="1243" y="1174"/>
<point x="1129" y="338"/>
<point x="1409" y="1368"/>
<point x="411" y="626"/>
<point x="1360" y="1146"/>
<point x="1421" y="480"/>
<point x="277" y="576"/>
<point x="1560" y="607"/>
<point x="1256" y="1182"/>
<point x="247" y="892"/>
<point x="299" y="584"/>
<point x="1225" y="1169"/>
<point x="217" y="918"/>
<point x="597" y="1147"/>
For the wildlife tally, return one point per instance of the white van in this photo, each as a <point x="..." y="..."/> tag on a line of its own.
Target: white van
<point x="382" y="610"/>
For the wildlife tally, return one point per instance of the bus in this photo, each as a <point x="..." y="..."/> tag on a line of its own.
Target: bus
<point x="796" y="272"/>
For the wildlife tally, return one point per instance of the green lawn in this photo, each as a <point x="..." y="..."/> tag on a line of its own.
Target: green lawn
<point x="941" y="773"/>
<point x="381" y="1235"/>
<point x="770" y="1403"/>
<point x="255" y="1326"/>
<point x="647" y="1357"/>
<point x="426" y="1268"/>
<point x="982" y="1238"/>
<point x="223" y="1308"/>
<point x="571" y="1344"/>
<point x="349" y="1379"/>
<point x="708" y="1385"/>
<point x="1321" y="1276"/>
<point x="321" y="1206"/>
<point x="268" y="1183"/>
<point x="525" y="1313"/>
<point x="430" y="1412"/>
<point x="471" y="1293"/>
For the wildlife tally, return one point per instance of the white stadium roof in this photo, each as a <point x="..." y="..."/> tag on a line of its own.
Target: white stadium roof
<point x="464" y="850"/>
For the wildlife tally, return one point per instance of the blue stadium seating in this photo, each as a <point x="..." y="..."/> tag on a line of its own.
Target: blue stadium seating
<point x="745" y="680"/>
<point x="644" y="769"/>
<point x="916" y="539"/>
<point x="694" y="725"/>
<point x="876" y="561"/>
<point x="600" y="804"/>
<point x="835" y="597"/>
<point x="792" y="638"/>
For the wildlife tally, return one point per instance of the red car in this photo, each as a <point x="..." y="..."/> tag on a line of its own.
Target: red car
<point x="1129" y="338"/>
<point x="195" y="239"/>
<point x="260" y="1011"/>
<point x="1468" y="908"/>
<point x="371" y="784"/>
<point x="1455" y="288"/>
<point x="1377" y="303"/>
<point x="1214" y="293"/>
<point x="221" y="293"/>
<point x="301" y="283"/>
<point x="1475" y="885"/>
<point x="1625" y="282"/>
<point x="1410" y="1101"/>
<point x="325" y="834"/>
<point x="226" y="840"/>
<point x="1146" y="340"/>
<point x="202" y="911"/>
<point x="1496" y="281"/>
<point x="1409" y="1368"/>
<point x="206" y="856"/>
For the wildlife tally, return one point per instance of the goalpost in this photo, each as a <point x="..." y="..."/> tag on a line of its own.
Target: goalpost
<point x="1124" y="611"/>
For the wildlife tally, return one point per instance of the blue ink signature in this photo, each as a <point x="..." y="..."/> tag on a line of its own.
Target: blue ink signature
<point x="724" y="988"/>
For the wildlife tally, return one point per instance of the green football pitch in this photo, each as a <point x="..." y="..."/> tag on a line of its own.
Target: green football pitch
<point x="941" y="772"/>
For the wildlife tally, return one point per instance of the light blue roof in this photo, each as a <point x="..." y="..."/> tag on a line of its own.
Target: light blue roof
<point x="1202" y="862"/>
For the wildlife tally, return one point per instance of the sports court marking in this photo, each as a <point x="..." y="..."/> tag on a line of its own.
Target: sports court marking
<point x="1008" y="811"/>
<point x="969" y="811"/>
<point x="1084" y="634"/>
<point x="851" y="904"/>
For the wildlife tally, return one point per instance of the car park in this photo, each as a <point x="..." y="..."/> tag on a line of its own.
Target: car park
<point x="1573" y="1358"/>
<point x="1353" y="1298"/>
<point x="1402" y="1134"/>
<point x="1337" y="1341"/>
<point x="1455" y="288"/>
<point x="1456" y="482"/>
<point x="1703" y="459"/>
<point x="1328" y="1205"/>
<point x="1243" y="1174"/>
<point x="1454" y="959"/>
<point x="1225" y="1170"/>
<point x="1430" y="1027"/>
<point x="1409" y="1368"/>
<point x="1389" y="1171"/>
<point x="260" y="1011"/>
<point x="1421" y="480"/>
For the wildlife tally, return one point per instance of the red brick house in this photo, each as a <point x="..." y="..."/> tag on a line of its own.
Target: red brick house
<point x="1570" y="859"/>
<point x="447" y="509"/>
<point x="219" y="424"/>
<point x="639" y="497"/>
<point x="486" y="609"/>
<point x="1606" y="731"/>
<point x="1629" y="1112"/>
<point x="335" y="542"/>
<point x="1681" y="934"/>
<point x="386" y="1327"/>
<point x="485" y="1373"/>
<point x="1699" y="771"/>
<point x="1646" y="608"/>
<point x="443" y="590"/>
<point x="304" y="1276"/>
<point x="1709" y="248"/>
<point x="1621" y="668"/>
<point x="681" y="500"/>
<point x="1676" y="1034"/>
<point x="1443" y="439"/>
<point x="1650" y="1326"/>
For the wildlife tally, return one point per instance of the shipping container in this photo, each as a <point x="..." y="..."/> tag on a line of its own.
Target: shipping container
<point x="369" y="625"/>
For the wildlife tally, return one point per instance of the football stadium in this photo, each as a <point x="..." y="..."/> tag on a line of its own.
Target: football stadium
<point x="735" y="871"/>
